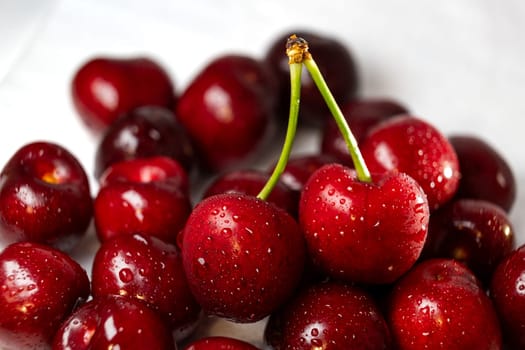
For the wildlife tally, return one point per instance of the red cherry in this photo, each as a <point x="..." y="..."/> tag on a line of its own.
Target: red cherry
<point x="103" y="88"/>
<point x="441" y="305"/>
<point x="507" y="290"/>
<point x="146" y="170"/>
<point x="113" y="323"/>
<point x="336" y="64"/>
<point x="40" y="286"/>
<point x="362" y="115"/>
<point x="142" y="196"/>
<point x="227" y="109"/>
<point x="144" y="132"/>
<point x="329" y="316"/>
<point x="219" y="343"/>
<point x="44" y="197"/>
<point x="243" y="256"/>
<point x="300" y="167"/>
<point x="363" y="232"/>
<point x="415" y="147"/>
<point x="251" y="182"/>
<point x="475" y="232"/>
<point x="150" y="270"/>
<point x="485" y="174"/>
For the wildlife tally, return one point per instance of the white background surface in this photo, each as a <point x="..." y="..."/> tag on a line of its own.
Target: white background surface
<point x="457" y="64"/>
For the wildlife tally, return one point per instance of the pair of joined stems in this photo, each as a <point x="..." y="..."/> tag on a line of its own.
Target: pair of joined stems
<point x="298" y="54"/>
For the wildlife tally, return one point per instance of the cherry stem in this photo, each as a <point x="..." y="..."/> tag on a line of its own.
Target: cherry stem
<point x="295" y="96"/>
<point x="363" y="174"/>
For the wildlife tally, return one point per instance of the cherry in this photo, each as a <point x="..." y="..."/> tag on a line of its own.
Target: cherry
<point x="335" y="62"/>
<point x="251" y="182"/>
<point x="300" y="167"/>
<point x="150" y="270"/>
<point x="219" y="343"/>
<point x="227" y="109"/>
<point x="329" y="316"/>
<point x="44" y="197"/>
<point x="144" y="196"/>
<point x="243" y="256"/>
<point x="144" y="132"/>
<point x="349" y="216"/>
<point x="370" y="232"/>
<point x="113" y="323"/>
<point x="507" y="290"/>
<point x="40" y="286"/>
<point x="414" y="146"/>
<point x="105" y="87"/>
<point x="485" y="174"/>
<point x="363" y="114"/>
<point x="146" y="170"/>
<point x="475" y="232"/>
<point x="256" y="75"/>
<point x="440" y="304"/>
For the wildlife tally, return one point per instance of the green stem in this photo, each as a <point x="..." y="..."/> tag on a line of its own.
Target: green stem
<point x="295" y="96"/>
<point x="359" y="163"/>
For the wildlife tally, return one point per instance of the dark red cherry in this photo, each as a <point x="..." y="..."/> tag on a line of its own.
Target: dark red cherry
<point x="329" y="316"/>
<point x="300" y="167"/>
<point x="146" y="269"/>
<point x="219" y="343"/>
<point x="362" y="114"/>
<point x="243" y="256"/>
<point x="227" y="109"/>
<point x="251" y="182"/>
<point x="39" y="287"/>
<point x="507" y="290"/>
<point x="336" y="64"/>
<point x="104" y="88"/>
<point x="114" y="322"/>
<point x="144" y="132"/>
<point x="359" y="231"/>
<point x="440" y="304"/>
<point x="144" y="196"/>
<point x="485" y="174"/>
<point x="475" y="232"/>
<point x="44" y="197"/>
<point x="146" y="170"/>
<point x="417" y="148"/>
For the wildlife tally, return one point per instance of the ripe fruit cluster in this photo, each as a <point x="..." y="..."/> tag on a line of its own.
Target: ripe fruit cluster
<point x="392" y="236"/>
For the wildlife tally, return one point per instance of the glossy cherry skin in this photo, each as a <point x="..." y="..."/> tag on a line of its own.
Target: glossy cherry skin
<point x="300" y="167"/>
<point x="475" y="232"/>
<point x="150" y="270"/>
<point x="142" y="195"/>
<point x="440" y="304"/>
<point x="44" y="197"/>
<point x="144" y="132"/>
<point x="227" y="109"/>
<point x="111" y="323"/>
<point x="39" y="287"/>
<point x="507" y="290"/>
<point x="243" y="257"/>
<point x="414" y="146"/>
<point x="251" y="182"/>
<point x="363" y="232"/>
<point x="485" y="174"/>
<point x="335" y="62"/>
<point x="361" y="114"/>
<point x="328" y="316"/>
<point x="219" y="343"/>
<point x="104" y="88"/>
<point x="146" y="170"/>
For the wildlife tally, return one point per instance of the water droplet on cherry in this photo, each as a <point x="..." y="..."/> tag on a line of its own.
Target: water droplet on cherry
<point x="125" y="275"/>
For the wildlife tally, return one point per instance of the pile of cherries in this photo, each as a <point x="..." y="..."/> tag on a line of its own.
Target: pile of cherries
<point x="404" y="244"/>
